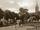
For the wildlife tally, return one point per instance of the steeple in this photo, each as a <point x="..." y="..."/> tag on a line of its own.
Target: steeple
<point x="36" y="7"/>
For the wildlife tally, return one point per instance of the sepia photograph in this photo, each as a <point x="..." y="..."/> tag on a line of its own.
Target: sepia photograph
<point x="19" y="14"/>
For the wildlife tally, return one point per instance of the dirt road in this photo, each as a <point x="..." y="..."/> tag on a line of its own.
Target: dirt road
<point x="17" y="28"/>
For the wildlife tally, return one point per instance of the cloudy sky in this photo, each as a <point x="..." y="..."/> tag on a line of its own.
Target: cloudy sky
<point x="12" y="5"/>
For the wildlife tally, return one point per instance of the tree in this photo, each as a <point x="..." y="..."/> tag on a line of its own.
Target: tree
<point x="24" y="15"/>
<point x="23" y="11"/>
<point x="34" y="17"/>
<point x="11" y="15"/>
<point x="1" y="13"/>
<point x="7" y="15"/>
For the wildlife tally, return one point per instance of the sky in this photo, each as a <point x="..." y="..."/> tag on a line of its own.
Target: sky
<point x="14" y="5"/>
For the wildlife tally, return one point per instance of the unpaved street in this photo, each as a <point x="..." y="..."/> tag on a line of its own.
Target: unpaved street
<point x="17" y="28"/>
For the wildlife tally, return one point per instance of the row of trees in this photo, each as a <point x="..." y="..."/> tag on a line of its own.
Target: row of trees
<point x="8" y="17"/>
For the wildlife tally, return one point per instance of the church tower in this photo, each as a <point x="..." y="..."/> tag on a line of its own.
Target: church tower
<point x="36" y="7"/>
